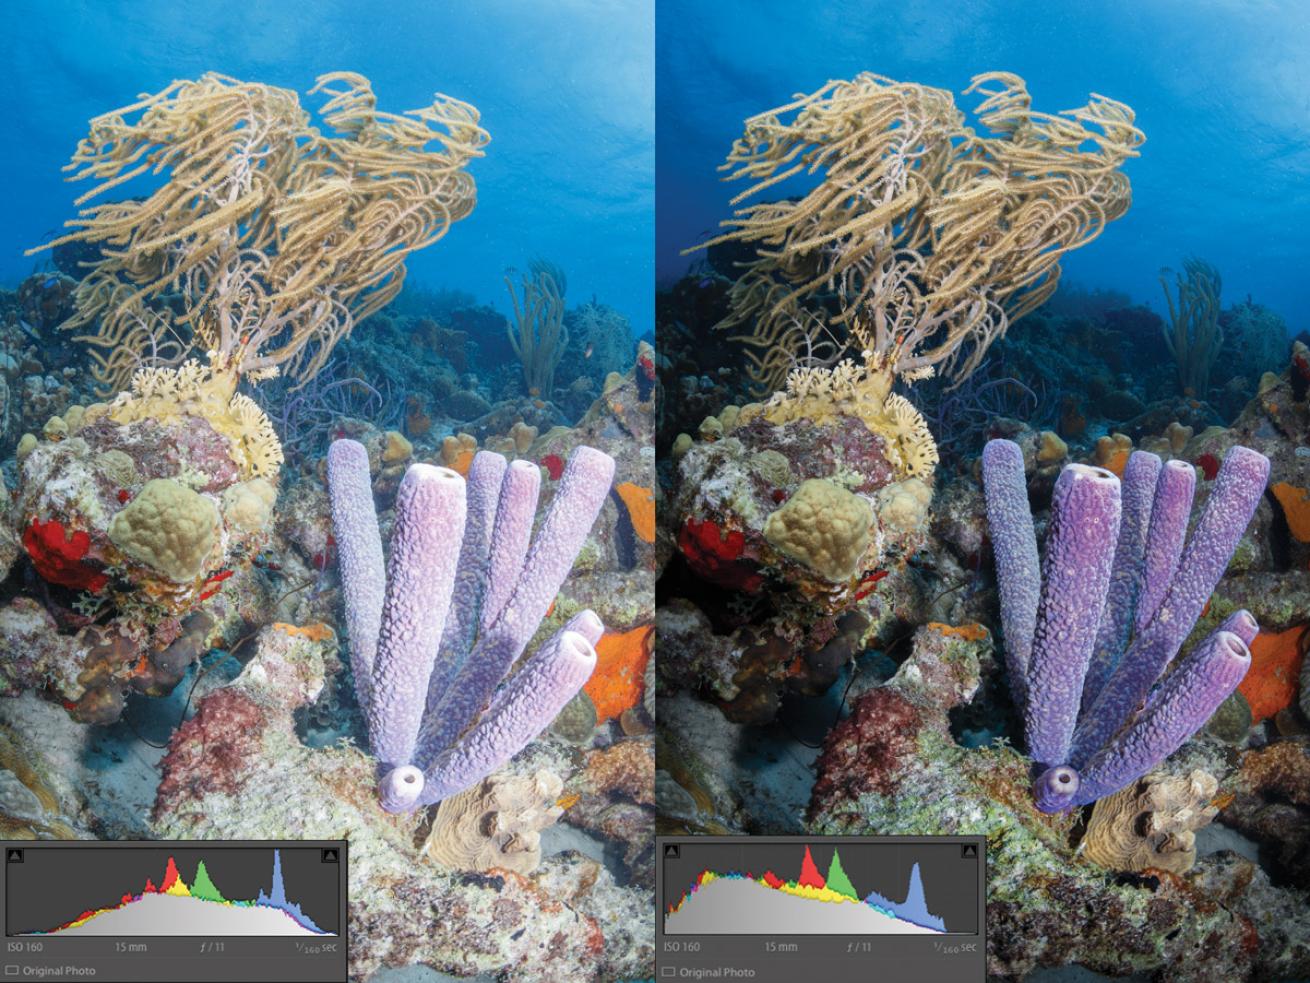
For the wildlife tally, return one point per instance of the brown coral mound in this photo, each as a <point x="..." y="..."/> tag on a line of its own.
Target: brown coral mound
<point x="938" y="235"/>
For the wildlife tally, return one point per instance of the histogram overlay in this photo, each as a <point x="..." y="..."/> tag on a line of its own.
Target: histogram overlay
<point x="173" y="892"/>
<point x="817" y="889"/>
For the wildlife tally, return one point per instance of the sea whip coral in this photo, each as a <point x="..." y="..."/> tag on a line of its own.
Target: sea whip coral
<point x="462" y="595"/>
<point x="1114" y="570"/>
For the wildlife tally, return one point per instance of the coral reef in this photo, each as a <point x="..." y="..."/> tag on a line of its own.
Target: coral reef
<point x="892" y="767"/>
<point x="1173" y="876"/>
<point x="237" y="770"/>
<point x="148" y="518"/>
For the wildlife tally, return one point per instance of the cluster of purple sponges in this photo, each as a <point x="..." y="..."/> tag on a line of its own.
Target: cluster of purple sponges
<point x="434" y="635"/>
<point x="1091" y="636"/>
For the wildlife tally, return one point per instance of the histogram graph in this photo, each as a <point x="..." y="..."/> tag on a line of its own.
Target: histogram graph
<point x="159" y="911"/>
<point x="736" y="902"/>
<point x="803" y="887"/>
<point x="777" y="909"/>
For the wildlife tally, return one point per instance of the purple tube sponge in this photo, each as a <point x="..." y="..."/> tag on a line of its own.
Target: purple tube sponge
<point x="537" y="693"/>
<point x="1233" y="500"/>
<point x="1017" y="566"/>
<point x="464" y="592"/>
<point x="537" y="577"/>
<point x="1149" y="601"/>
<point x="1141" y="474"/>
<point x="359" y="549"/>
<point x="1170" y="512"/>
<point x="430" y="516"/>
<point x="1184" y="702"/>
<point x="1075" y="576"/>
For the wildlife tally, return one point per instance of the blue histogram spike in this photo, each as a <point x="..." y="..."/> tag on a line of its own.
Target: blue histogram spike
<point x="914" y="908"/>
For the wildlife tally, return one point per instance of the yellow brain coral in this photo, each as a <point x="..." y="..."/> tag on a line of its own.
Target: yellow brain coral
<point x="169" y="528"/>
<point x="825" y="527"/>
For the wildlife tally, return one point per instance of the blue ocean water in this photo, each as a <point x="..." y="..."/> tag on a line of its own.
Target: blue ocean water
<point x="565" y="89"/>
<point x="1221" y="88"/>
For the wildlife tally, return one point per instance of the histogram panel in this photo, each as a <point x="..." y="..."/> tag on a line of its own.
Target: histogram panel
<point x="184" y="892"/>
<point x="842" y="909"/>
<point x="761" y="888"/>
<point x="155" y="911"/>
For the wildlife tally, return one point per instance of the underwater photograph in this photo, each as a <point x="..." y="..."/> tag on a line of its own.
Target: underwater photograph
<point x="616" y="491"/>
<point x="984" y="476"/>
<point x="327" y="454"/>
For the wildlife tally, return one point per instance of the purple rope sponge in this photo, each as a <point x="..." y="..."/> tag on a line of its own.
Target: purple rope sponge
<point x="1156" y="591"/>
<point x="433" y="641"/>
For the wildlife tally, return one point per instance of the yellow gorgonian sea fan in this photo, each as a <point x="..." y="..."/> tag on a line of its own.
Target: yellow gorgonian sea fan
<point x="276" y="237"/>
<point x="934" y="235"/>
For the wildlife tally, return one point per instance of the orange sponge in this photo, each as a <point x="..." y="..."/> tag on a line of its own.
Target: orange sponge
<point x="1271" y="682"/>
<point x="619" y="679"/>
<point x="1296" y="506"/>
<point x="640" y="502"/>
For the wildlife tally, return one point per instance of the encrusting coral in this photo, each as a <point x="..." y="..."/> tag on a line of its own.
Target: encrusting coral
<point x="434" y="635"/>
<point x="938" y="235"/>
<point x="1091" y="638"/>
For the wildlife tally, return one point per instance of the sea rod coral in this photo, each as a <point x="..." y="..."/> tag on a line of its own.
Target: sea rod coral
<point x="1090" y="640"/>
<point x="938" y="235"/>
<point x="434" y="635"/>
<point x="279" y="238"/>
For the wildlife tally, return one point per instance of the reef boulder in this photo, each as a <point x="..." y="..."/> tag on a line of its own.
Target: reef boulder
<point x="152" y="514"/>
